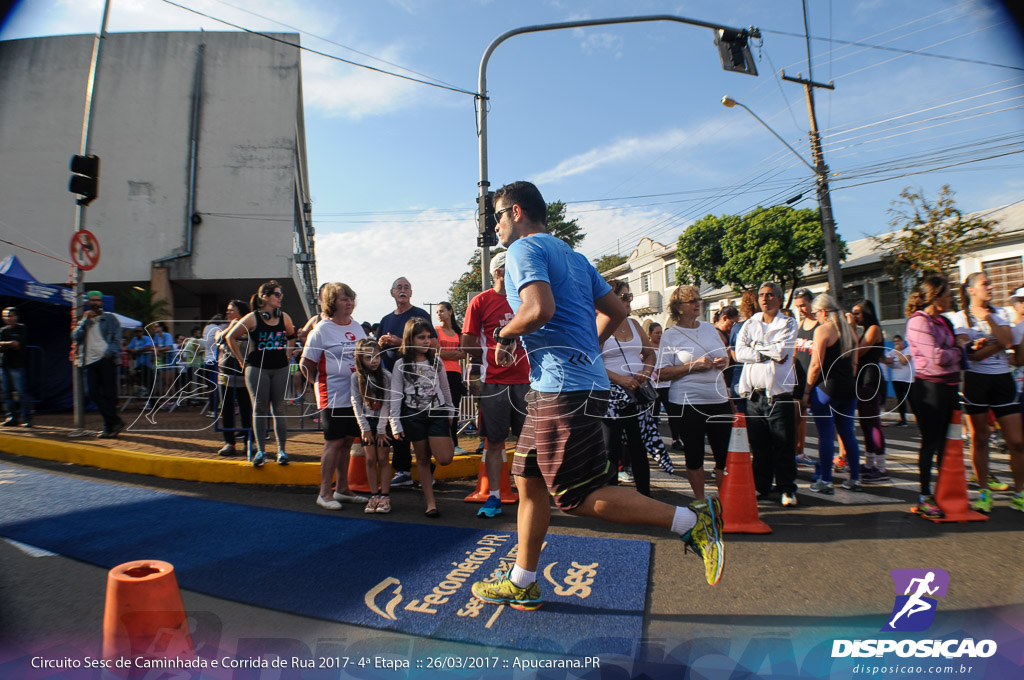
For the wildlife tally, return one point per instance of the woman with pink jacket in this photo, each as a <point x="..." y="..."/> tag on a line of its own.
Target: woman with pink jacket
<point x="934" y="395"/>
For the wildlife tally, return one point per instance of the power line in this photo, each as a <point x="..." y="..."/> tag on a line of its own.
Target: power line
<point x="900" y="50"/>
<point x="323" y="54"/>
<point x="328" y="40"/>
<point x="18" y="245"/>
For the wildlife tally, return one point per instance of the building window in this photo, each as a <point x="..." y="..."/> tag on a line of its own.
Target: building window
<point x="890" y="300"/>
<point x="645" y="282"/>
<point x="851" y="294"/>
<point x="1006" y="276"/>
<point x="670" y="274"/>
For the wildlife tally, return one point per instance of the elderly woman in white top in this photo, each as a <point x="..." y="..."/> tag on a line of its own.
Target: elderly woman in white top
<point x="693" y="357"/>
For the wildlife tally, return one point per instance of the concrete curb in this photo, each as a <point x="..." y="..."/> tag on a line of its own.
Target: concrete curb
<point x="196" y="469"/>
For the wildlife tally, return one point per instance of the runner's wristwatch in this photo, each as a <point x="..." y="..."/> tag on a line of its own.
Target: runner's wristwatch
<point x="500" y="340"/>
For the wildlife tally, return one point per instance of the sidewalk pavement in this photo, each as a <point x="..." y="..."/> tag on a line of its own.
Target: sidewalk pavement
<point x="183" y="444"/>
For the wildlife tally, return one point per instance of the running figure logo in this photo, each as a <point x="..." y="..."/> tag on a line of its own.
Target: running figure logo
<point x="914" y="610"/>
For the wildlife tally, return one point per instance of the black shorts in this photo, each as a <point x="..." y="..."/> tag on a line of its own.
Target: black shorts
<point x="502" y="409"/>
<point x="339" y="423"/>
<point x="563" y="442"/>
<point x="420" y="425"/>
<point x="374" y="422"/>
<point x="983" y="391"/>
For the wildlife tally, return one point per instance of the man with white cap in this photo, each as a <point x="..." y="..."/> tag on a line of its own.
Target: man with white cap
<point x="503" y="393"/>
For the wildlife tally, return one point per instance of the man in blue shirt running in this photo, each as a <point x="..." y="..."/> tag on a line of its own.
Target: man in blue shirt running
<point x="554" y="292"/>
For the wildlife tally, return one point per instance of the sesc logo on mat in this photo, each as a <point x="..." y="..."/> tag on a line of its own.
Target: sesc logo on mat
<point x="914" y="609"/>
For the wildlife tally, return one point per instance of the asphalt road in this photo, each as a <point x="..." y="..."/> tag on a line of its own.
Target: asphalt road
<point x="822" y="573"/>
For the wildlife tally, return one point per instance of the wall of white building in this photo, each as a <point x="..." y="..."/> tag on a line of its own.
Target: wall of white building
<point x="251" y="171"/>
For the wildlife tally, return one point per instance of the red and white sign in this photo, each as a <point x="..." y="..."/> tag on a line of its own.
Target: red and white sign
<point x="85" y="249"/>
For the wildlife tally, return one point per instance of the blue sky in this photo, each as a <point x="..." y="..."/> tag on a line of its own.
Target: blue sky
<point x="624" y="123"/>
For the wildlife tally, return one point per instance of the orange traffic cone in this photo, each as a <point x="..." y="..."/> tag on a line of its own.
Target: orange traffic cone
<point x="738" y="495"/>
<point x="144" y="616"/>
<point x="357" y="473"/>
<point x="951" y="487"/>
<point x="483" y="486"/>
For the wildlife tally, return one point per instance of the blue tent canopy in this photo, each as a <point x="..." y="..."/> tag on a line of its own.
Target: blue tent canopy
<point x="16" y="281"/>
<point x="45" y="310"/>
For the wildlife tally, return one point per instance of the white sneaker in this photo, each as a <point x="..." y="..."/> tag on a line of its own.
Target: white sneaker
<point x="789" y="499"/>
<point x="328" y="505"/>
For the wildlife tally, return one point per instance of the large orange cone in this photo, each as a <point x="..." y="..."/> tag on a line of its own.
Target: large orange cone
<point x="951" y="487"/>
<point x="483" y="486"/>
<point x="144" y="616"/>
<point x="357" y="472"/>
<point x="738" y="494"/>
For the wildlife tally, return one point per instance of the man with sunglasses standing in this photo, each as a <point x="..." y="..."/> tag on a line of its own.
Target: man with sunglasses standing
<point x="554" y="292"/>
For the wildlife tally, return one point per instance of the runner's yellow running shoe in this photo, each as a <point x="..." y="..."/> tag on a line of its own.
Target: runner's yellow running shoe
<point x="503" y="591"/>
<point x="705" y="538"/>
<point x="993" y="483"/>
<point x="1017" y="501"/>
<point x="984" y="502"/>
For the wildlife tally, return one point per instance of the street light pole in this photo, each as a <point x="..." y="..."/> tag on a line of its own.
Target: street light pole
<point x="726" y="36"/>
<point x="820" y="170"/>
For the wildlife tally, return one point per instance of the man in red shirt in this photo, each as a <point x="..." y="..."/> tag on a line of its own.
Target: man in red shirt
<point x="503" y="393"/>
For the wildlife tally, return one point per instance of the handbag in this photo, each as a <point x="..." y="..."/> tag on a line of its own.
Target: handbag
<point x="643" y="395"/>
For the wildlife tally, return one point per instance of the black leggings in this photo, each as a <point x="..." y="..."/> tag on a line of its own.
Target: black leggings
<point x="228" y="397"/>
<point x="636" y="452"/>
<point x="933" y="405"/>
<point x="455" y="386"/>
<point x="672" y="412"/>
<point x="902" y="389"/>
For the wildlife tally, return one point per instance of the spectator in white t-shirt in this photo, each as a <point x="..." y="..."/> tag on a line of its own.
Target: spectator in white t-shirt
<point x="901" y="374"/>
<point x="988" y="383"/>
<point x="328" y="361"/>
<point x="693" y="357"/>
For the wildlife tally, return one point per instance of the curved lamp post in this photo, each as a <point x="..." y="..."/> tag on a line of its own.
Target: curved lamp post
<point x="828" y="226"/>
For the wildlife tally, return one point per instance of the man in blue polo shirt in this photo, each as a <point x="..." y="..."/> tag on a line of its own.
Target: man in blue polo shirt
<point x="554" y="293"/>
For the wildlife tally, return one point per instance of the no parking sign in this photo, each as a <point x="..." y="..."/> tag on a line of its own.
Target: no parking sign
<point x="85" y="249"/>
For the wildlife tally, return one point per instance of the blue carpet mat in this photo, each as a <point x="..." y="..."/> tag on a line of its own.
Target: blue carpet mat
<point x="409" y="578"/>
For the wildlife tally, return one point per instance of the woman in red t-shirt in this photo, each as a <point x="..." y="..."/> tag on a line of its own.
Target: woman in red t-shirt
<point x="449" y="338"/>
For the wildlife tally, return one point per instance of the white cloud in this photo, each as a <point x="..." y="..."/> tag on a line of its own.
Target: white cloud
<point x="603" y="42"/>
<point x="638" y="149"/>
<point x="431" y="253"/>
<point x="620" y="151"/>
<point x="619" y="230"/>
<point x="338" y="89"/>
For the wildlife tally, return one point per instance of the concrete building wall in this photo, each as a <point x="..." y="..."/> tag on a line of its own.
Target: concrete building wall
<point x="250" y="182"/>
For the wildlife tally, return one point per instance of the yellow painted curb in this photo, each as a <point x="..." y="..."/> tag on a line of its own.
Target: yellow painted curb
<point x="195" y="469"/>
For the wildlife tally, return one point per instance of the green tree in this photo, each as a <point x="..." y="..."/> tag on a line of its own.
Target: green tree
<point x="567" y="230"/>
<point x="606" y="262"/>
<point x="140" y="304"/>
<point x="699" y="251"/>
<point x="469" y="282"/>
<point x="930" y="236"/>
<point x="774" y="244"/>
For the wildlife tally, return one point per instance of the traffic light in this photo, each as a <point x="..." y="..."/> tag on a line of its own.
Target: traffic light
<point x="735" y="52"/>
<point x="487" y="237"/>
<point x="85" y="178"/>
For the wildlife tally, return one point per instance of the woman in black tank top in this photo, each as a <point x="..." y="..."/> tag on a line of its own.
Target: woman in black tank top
<point x="271" y="336"/>
<point x="831" y="393"/>
<point x="871" y="391"/>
